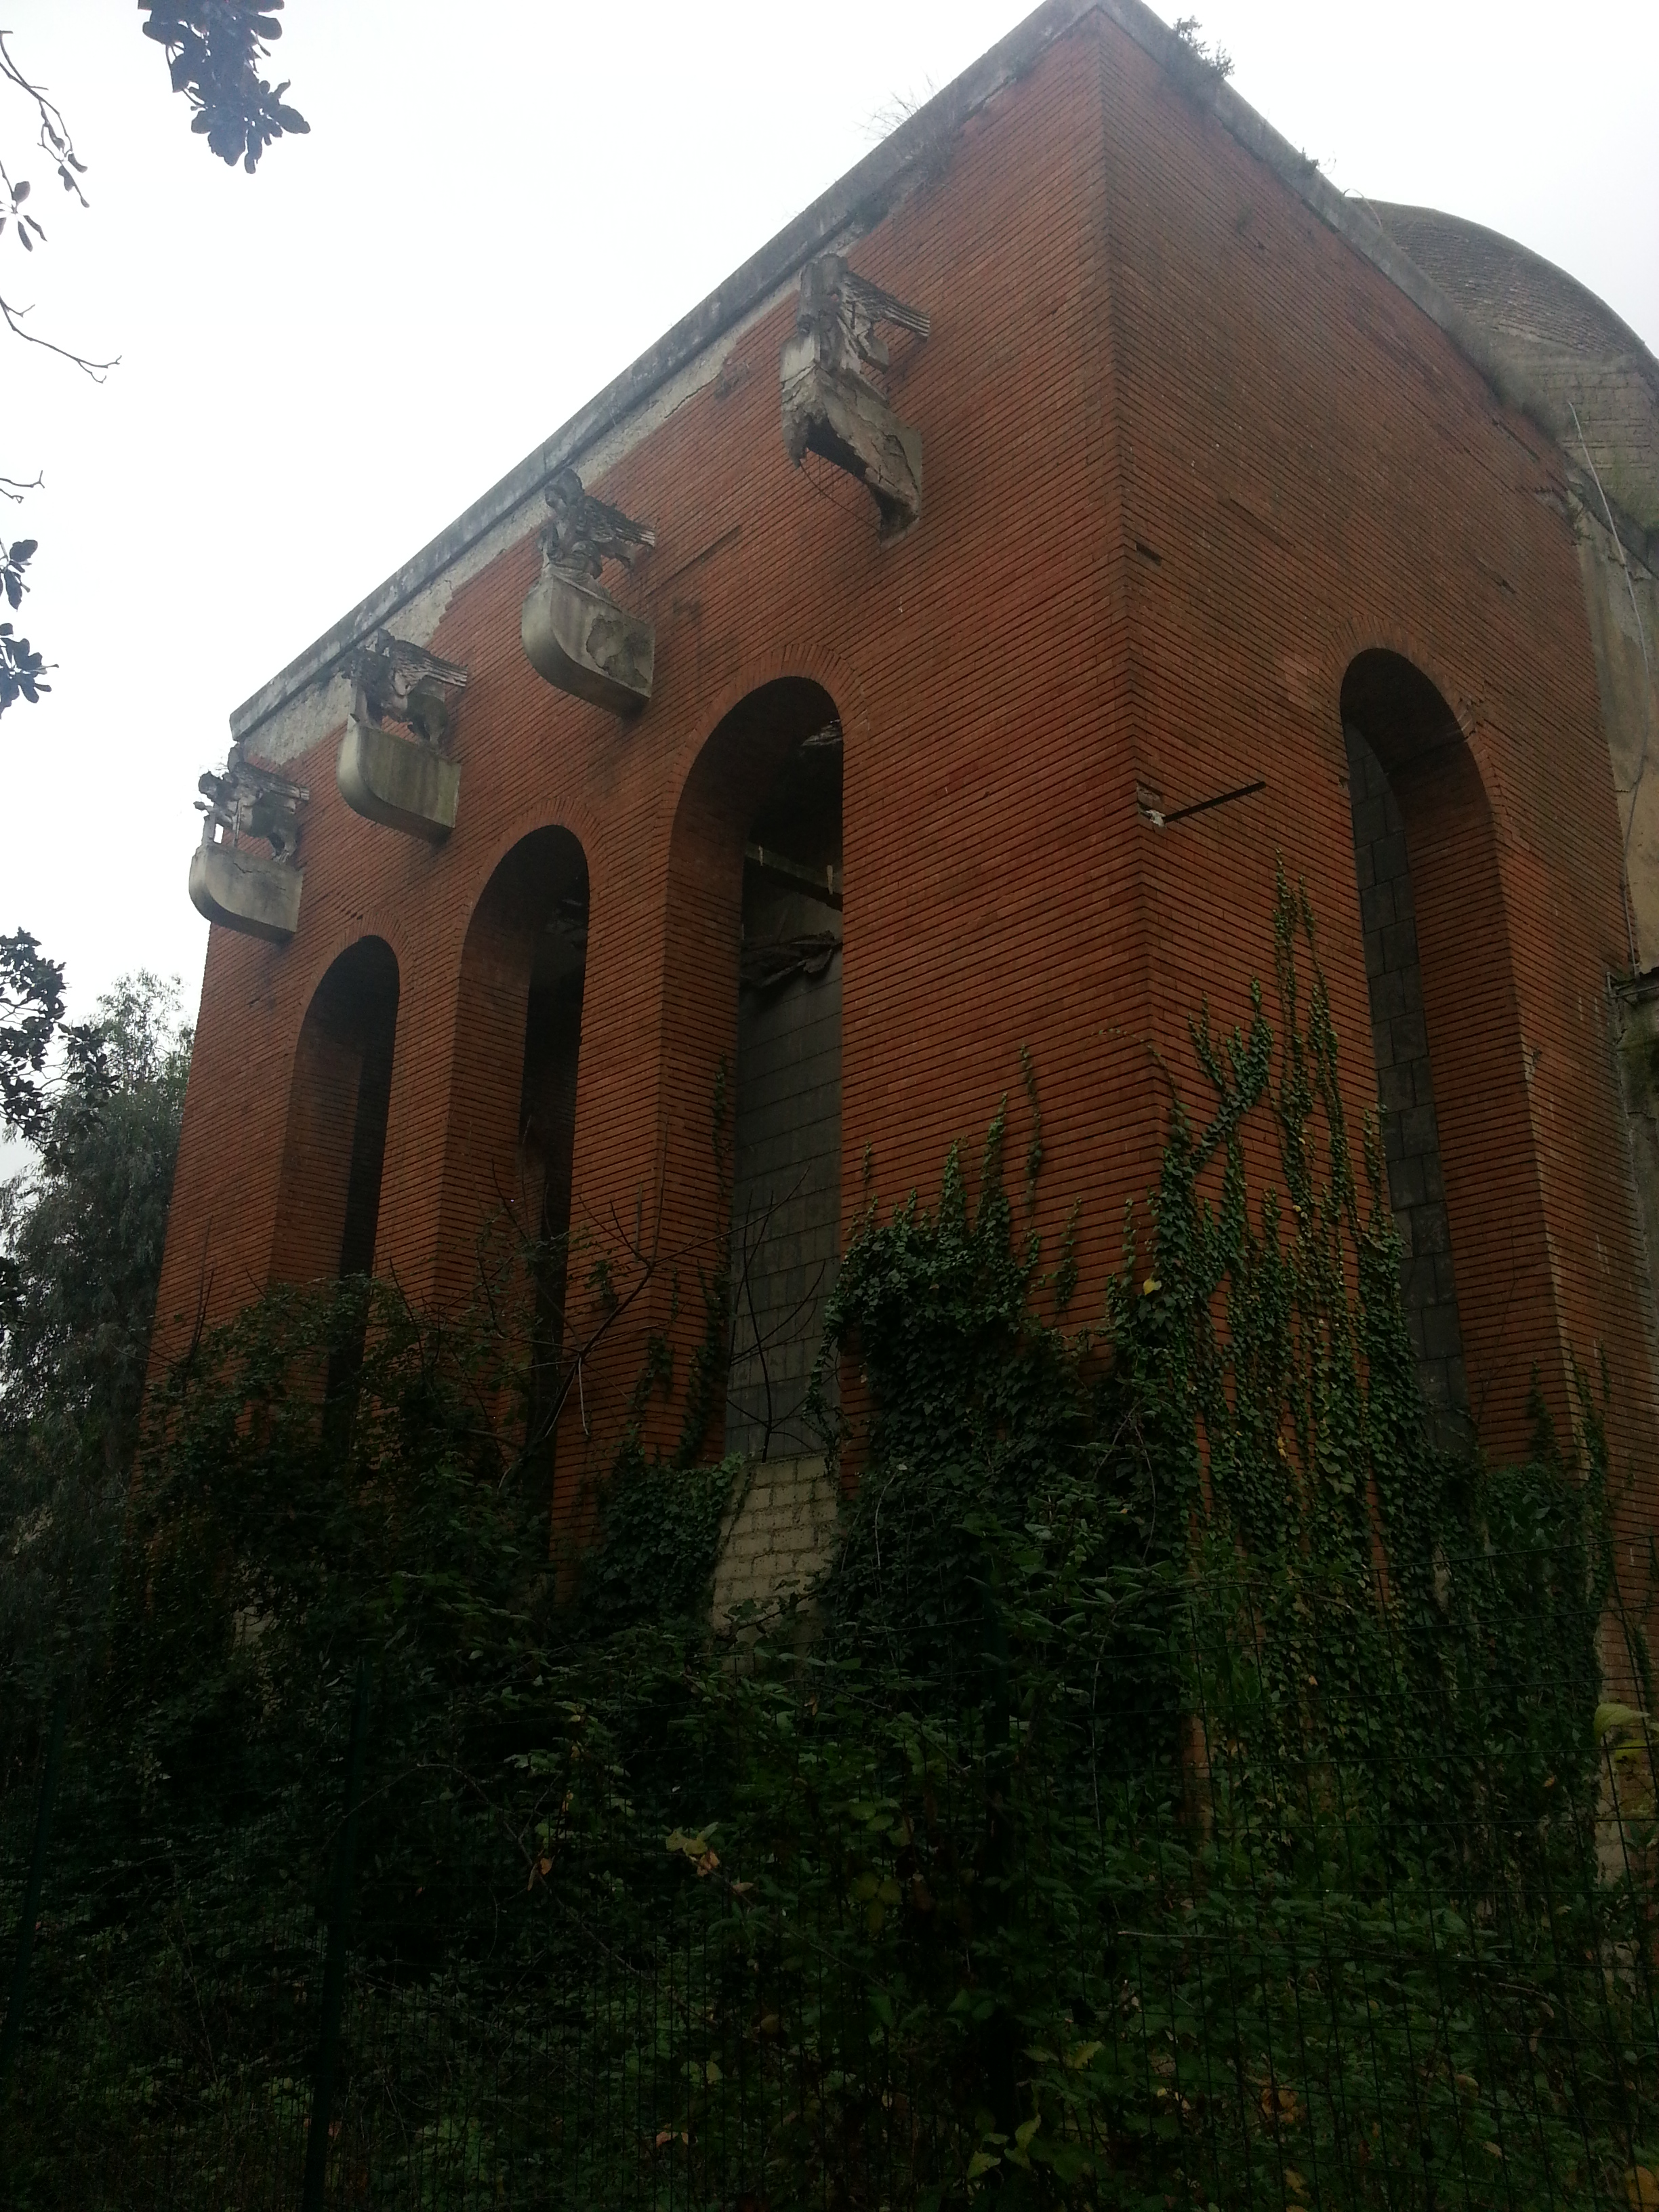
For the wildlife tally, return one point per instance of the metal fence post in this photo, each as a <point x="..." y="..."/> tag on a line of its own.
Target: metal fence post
<point x="328" y="2040"/>
<point x="20" y="1973"/>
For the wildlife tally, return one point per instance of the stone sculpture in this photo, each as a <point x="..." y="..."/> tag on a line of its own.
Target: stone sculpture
<point x="244" y="890"/>
<point x="574" y="632"/>
<point x="406" y="783"/>
<point x="834" y="402"/>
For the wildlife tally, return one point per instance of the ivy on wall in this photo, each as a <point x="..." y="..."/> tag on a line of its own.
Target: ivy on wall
<point x="1196" y="1790"/>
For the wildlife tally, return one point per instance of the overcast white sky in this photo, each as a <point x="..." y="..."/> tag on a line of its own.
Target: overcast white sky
<point x="324" y="364"/>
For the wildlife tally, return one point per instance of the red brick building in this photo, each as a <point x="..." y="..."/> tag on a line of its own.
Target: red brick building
<point x="1214" y="507"/>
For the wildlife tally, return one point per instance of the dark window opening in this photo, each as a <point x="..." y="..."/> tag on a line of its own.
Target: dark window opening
<point x="330" y="1210"/>
<point x="1405" y="1079"/>
<point x="517" y="1045"/>
<point x="547" y="1136"/>
<point x="786" y="1190"/>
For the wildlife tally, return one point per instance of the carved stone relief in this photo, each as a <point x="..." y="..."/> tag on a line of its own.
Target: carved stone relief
<point x="574" y="632"/>
<point x="406" y="783"/>
<point x="241" y="889"/>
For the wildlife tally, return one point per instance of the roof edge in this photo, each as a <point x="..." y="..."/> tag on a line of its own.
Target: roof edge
<point x="1505" y="369"/>
<point x="864" y="191"/>
<point x="1631" y="339"/>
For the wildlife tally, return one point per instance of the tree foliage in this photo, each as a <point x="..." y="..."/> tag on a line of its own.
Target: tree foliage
<point x="81" y="1243"/>
<point x="31" y="1007"/>
<point x="213" y="50"/>
<point x="20" y="667"/>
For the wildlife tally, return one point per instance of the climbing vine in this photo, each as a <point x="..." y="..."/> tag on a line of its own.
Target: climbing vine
<point x="1186" y="1786"/>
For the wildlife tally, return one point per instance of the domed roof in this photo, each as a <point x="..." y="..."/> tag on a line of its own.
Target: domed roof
<point x="1575" y="353"/>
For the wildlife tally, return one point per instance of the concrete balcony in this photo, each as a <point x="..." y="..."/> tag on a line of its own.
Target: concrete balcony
<point x="246" y="891"/>
<point x="578" y="638"/>
<point x="398" y="781"/>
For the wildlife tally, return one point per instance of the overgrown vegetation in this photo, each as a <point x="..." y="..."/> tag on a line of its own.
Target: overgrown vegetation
<point x="1198" y="1792"/>
<point x="81" y="1239"/>
<point x="1210" y="61"/>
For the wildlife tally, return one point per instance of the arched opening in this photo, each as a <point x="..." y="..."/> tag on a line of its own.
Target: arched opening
<point x="1456" y="1136"/>
<point x="329" y="1205"/>
<point x="786" y="1172"/>
<point x="518" y="1043"/>
<point x="1405" y="1085"/>
<point x="752" y="1057"/>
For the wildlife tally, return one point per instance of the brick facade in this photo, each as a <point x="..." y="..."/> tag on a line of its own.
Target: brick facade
<point x="1190" y="463"/>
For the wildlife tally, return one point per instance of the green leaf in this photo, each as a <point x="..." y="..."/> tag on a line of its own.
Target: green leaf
<point x="1614" y="1716"/>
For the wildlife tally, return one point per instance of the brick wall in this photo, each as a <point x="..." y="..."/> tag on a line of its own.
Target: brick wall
<point x="1186" y="458"/>
<point x="1312" y="473"/>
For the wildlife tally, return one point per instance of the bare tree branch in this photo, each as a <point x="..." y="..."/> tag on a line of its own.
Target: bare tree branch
<point x="97" y="370"/>
<point x="55" y="141"/>
<point x="786" y="1328"/>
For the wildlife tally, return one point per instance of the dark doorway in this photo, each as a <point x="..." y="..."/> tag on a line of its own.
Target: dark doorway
<point x="517" y="1045"/>
<point x="547" y="1129"/>
<point x="785" y="1201"/>
<point x="330" y="1208"/>
<point x="1388" y="704"/>
<point x="329" y="1212"/>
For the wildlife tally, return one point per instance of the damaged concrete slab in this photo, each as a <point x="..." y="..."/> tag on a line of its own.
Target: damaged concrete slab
<point x="406" y="783"/>
<point x="834" y="405"/>
<point x="244" y="890"/>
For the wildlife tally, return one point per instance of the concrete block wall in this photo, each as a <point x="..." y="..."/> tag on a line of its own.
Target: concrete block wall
<point x="778" y="1535"/>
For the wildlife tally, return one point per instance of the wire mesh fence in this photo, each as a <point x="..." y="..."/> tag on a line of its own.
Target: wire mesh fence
<point x="1051" y="1932"/>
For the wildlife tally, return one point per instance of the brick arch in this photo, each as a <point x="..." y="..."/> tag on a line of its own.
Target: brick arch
<point x="690" y="793"/>
<point x="320" y="953"/>
<point x="573" y="819"/>
<point x="1468" y="1125"/>
<point x="781" y="1056"/>
<point x="810" y="663"/>
<point x="334" y="1142"/>
<point x="1354" y="638"/>
<point x="493" y="1180"/>
<point x="672" y="1183"/>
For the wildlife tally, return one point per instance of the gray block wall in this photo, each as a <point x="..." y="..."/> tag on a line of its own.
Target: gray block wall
<point x="777" y="1537"/>
<point x="786" y="1208"/>
<point x="1405" y="1082"/>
